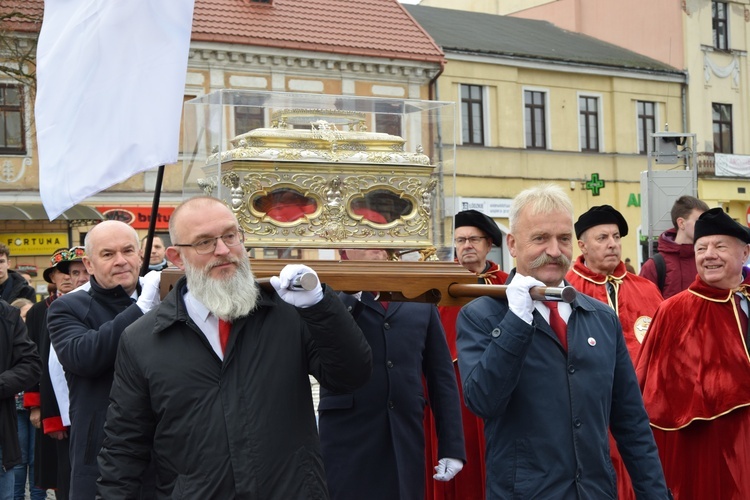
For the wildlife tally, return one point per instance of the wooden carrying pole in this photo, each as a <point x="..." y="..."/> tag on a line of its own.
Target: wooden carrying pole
<point x="437" y="282"/>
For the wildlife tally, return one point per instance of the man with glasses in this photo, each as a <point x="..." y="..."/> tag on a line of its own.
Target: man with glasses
<point x="85" y="328"/>
<point x="214" y="382"/>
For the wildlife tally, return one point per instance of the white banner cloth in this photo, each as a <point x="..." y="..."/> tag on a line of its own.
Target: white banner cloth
<point x="731" y="165"/>
<point x="110" y="85"/>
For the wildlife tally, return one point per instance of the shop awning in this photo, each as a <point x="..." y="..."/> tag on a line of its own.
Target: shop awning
<point x="33" y="211"/>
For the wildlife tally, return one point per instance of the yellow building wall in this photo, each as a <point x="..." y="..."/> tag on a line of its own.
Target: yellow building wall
<point x="503" y="167"/>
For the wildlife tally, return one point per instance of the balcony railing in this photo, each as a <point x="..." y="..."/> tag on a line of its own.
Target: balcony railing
<point x="706" y="165"/>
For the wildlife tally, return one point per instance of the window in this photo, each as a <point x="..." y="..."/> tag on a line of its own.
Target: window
<point x="646" y="124"/>
<point x="247" y="118"/>
<point x="535" y="120"/>
<point x="719" y="24"/>
<point x="388" y="118"/>
<point x="722" y="120"/>
<point x="588" y="107"/>
<point x="472" y="115"/>
<point x="11" y="120"/>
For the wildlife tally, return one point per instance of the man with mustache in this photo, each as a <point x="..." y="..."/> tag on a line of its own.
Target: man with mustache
<point x="214" y="382"/>
<point x="694" y="370"/>
<point x="551" y="379"/>
<point x="84" y="330"/>
<point x="600" y="273"/>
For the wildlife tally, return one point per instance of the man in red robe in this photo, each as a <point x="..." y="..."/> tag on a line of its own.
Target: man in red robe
<point x="694" y="369"/>
<point x="474" y="235"/>
<point x="600" y="273"/>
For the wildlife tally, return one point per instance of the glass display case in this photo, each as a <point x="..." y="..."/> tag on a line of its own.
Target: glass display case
<point x="306" y="174"/>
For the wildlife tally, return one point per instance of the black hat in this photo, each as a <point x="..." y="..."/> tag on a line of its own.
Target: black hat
<point x="716" y="221"/>
<point x="478" y="219"/>
<point x="604" y="214"/>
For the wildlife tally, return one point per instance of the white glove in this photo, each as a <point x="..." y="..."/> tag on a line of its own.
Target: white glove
<point x="447" y="468"/>
<point x="520" y="302"/>
<point x="150" y="296"/>
<point x="298" y="298"/>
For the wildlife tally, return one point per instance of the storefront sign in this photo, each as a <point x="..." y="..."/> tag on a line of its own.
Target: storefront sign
<point x="634" y="200"/>
<point x="138" y="217"/>
<point x="595" y="184"/>
<point x="498" y="208"/>
<point x="35" y="243"/>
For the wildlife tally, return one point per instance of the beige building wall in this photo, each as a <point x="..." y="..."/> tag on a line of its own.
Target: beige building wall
<point x="504" y="167"/>
<point x="678" y="33"/>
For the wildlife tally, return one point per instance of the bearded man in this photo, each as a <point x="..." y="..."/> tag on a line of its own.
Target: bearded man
<point x="214" y="382"/>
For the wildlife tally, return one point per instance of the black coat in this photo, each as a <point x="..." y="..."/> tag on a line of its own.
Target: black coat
<point x="373" y="438"/>
<point x="243" y="427"/>
<point x="85" y="328"/>
<point x="19" y="369"/>
<point x="51" y="458"/>
<point x="16" y="287"/>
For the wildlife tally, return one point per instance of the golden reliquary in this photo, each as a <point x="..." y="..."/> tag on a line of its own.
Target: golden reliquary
<point x="319" y="179"/>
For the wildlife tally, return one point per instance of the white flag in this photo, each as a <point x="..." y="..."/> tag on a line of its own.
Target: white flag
<point x="110" y="85"/>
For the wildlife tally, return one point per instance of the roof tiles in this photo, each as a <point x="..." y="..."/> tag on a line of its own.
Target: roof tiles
<point x="21" y="15"/>
<point x="485" y="34"/>
<point x="376" y="28"/>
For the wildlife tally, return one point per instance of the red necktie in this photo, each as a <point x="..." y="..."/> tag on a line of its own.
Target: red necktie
<point x="558" y="324"/>
<point x="224" y="327"/>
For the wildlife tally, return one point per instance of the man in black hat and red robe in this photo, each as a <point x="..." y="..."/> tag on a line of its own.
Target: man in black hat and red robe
<point x="599" y="272"/>
<point x="474" y="235"/>
<point x="694" y="369"/>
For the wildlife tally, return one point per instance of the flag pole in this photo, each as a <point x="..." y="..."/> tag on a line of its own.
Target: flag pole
<point x="152" y="221"/>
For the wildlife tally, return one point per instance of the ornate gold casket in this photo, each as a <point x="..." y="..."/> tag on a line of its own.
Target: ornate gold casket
<point x="318" y="178"/>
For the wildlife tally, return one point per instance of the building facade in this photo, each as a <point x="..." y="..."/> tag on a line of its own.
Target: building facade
<point x="709" y="40"/>
<point x="358" y="48"/>
<point x="539" y="104"/>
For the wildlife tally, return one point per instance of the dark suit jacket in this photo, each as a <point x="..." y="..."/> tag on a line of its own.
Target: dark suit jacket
<point x="373" y="439"/>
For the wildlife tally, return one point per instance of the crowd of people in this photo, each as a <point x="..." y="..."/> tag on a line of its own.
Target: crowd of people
<point x="633" y="389"/>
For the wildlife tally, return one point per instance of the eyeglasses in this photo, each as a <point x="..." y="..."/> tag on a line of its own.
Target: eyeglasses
<point x="208" y="245"/>
<point x="474" y="240"/>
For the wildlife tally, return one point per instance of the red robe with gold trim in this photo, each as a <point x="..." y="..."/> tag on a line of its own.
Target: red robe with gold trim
<point x="469" y="484"/>
<point x="694" y="372"/>
<point x="637" y="301"/>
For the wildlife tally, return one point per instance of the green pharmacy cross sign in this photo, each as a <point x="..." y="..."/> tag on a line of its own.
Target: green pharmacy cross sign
<point x="595" y="184"/>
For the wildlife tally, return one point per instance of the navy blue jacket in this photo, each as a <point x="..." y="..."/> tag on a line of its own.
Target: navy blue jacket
<point x="85" y="328"/>
<point x="373" y="438"/>
<point x="546" y="412"/>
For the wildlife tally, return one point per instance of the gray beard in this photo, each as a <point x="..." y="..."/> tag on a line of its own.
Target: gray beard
<point x="228" y="299"/>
